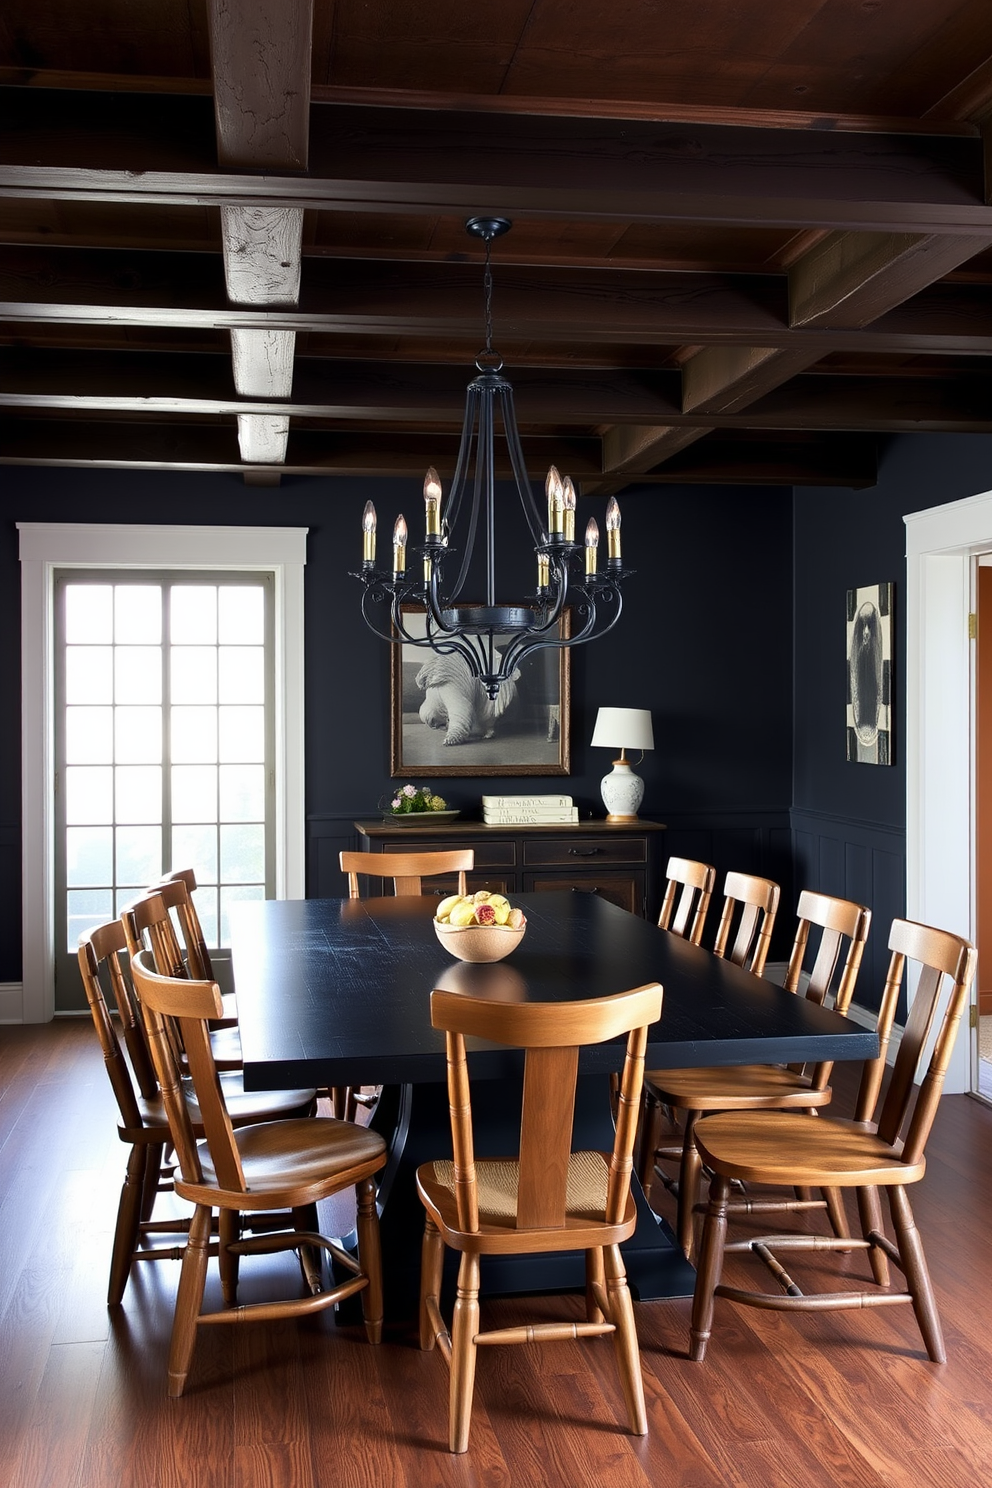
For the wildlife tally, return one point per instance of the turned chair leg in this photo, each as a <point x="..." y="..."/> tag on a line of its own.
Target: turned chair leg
<point x="128" y="1224"/>
<point x="710" y="1266"/>
<point x="625" y="1339"/>
<point x="189" y="1298"/>
<point x="228" y="1231"/>
<point x="689" y="1175"/>
<point x="151" y="1178"/>
<point x="870" y="1214"/>
<point x="836" y="1213"/>
<point x="463" y="1352"/>
<point x="431" y="1265"/>
<point x="648" y="1139"/>
<point x="370" y="1259"/>
<point x="917" y="1272"/>
<point x="595" y="1276"/>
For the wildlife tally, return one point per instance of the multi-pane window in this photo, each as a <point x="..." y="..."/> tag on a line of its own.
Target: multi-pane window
<point x="164" y="742"/>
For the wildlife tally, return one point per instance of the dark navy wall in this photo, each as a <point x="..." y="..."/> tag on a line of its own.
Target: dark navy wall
<point x="849" y="820"/>
<point x="705" y="642"/>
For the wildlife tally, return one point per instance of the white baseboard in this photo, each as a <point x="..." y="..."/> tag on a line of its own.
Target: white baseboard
<point x="11" y="1002"/>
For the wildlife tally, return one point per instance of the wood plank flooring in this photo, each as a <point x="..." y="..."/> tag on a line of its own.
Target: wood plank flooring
<point x="834" y="1399"/>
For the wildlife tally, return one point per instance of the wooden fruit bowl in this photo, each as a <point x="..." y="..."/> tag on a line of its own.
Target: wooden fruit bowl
<point x="478" y="942"/>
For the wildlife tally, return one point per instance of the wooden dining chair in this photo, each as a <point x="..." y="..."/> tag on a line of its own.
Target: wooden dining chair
<point x="761" y="1087"/>
<point x="253" y="1170"/>
<point x="148" y="925"/>
<point x="142" y="1121"/>
<point x="751" y="903"/>
<point x="407" y="869"/>
<point x="686" y="917"/>
<point x="177" y="890"/>
<point x="546" y="1197"/>
<point x="795" y="1149"/>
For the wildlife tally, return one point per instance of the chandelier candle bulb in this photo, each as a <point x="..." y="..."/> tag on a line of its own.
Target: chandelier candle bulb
<point x="543" y="571"/>
<point x="568" y="506"/>
<point x="613" y="528"/>
<point x="432" y="501"/>
<point x="399" y="545"/>
<point x="592" y="546"/>
<point x="556" y="503"/>
<point x="368" y="533"/>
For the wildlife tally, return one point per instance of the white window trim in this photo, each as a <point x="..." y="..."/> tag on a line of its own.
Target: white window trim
<point x="47" y="546"/>
<point x="941" y="545"/>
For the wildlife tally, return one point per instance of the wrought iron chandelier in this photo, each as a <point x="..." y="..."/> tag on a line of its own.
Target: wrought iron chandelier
<point x="492" y="638"/>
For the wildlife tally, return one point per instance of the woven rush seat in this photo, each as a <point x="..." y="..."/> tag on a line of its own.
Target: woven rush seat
<point x="497" y="1185"/>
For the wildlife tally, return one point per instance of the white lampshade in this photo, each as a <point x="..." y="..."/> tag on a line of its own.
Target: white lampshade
<point x="623" y="728"/>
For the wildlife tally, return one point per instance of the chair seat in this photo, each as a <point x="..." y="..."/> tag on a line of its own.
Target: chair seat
<point x="496" y="1178"/>
<point x="244" y="1107"/>
<point x="736" y="1086"/>
<point x="785" y="1148"/>
<point x="226" y="1046"/>
<point x="289" y="1163"/>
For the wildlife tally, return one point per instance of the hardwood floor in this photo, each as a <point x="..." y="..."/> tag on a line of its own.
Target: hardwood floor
<point x="832" y="1399"/>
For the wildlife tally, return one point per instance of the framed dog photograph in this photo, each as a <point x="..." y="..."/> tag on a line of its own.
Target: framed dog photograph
<point x="444" y="724"/>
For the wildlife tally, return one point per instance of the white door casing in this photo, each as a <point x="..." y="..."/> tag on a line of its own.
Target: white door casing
<point x="47" y="546"/>
<point x="941" y="545"/>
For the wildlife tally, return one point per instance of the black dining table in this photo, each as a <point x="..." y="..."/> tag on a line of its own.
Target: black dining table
<point x="337" y="992"/>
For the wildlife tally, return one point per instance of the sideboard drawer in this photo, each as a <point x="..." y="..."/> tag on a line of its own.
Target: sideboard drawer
<point x="498" y="853"/>
<point x="624" y="889"/>
<point x="584" y="852"/>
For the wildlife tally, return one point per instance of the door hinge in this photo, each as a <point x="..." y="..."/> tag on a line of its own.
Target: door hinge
<point x="973" y="1015"/>
<point x="972" y="626"/>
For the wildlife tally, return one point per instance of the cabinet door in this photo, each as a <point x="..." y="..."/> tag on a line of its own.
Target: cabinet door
<point x="623" y="888"/>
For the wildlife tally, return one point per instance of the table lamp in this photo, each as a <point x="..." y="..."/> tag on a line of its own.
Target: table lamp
<point x="622" y="728"/>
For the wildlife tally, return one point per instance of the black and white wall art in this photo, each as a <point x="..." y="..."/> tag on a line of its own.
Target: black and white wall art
<point x="869" y="674"/>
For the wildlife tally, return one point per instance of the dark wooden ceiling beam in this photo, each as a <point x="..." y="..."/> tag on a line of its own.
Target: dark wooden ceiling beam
<point x="947" y="118"/>
<point x="343" y="393"/>
<point x="788" y="460"/>
<point x="845" y="281"/>
<point x="132" y="288"/>
<point x="127" y="147"/>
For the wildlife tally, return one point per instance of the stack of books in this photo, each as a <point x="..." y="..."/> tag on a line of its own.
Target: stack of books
<point x="528" y="810"/>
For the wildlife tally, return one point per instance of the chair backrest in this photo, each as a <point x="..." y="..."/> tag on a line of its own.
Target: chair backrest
<point x="148" y="925"/>
<point x="907" y="1106"/>
<point x="166" y="1000"/>
<point x="757" y="899"/>
<point x="101" y="948"/>
<point x="836" y="919"/>
<point x="688" y="917"/>
<point x="407" y="869"/>
<point x="551" y="1035"/>
<point x="177" y="889"/>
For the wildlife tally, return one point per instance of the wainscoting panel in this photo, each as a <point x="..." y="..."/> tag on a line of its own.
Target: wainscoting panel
<point x="860" y="861"/>
<point x="327" y="836"/>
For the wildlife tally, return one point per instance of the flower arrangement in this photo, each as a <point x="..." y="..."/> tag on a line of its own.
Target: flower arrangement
<point x="416" y="798"/>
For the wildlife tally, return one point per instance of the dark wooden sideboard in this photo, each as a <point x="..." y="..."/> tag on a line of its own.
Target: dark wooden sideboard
<point x="619" y="863"/>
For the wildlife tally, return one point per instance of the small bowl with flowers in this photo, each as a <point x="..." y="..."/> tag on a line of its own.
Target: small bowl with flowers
<point x="480" y="926"/>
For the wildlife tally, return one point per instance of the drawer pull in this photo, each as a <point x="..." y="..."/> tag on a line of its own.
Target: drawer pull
<point x="579" y="852"/>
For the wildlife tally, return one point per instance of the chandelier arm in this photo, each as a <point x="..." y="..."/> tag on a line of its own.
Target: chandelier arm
<point x="464" y="453"/>
<point x="487" y="449"/>
<point x="375" y="593"/>
<point x="515" y="449"/>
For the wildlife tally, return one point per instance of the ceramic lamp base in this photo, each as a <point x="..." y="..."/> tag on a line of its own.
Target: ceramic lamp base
<point x="623" y="792"/>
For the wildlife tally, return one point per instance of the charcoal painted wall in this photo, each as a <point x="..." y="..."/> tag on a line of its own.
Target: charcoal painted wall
<point x="705" y="643"/>
<point x="849" y="819"/>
